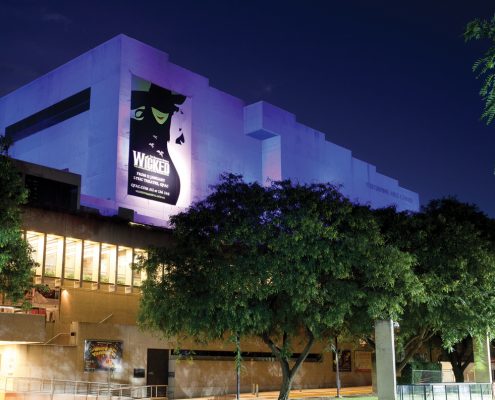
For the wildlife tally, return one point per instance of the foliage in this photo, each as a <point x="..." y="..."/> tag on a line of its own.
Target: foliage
<point x="16" y="265"/>
<point x="485" y="66"/>
<point x="453" y="243"/>
<point x="287" y="263"/>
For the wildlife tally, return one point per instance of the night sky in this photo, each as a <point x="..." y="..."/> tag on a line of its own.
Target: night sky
<point x="390" y="80"/>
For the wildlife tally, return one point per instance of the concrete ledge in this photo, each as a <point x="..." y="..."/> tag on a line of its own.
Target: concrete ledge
<point x="15" y="327"/>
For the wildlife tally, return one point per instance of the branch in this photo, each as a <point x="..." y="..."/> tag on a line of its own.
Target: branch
<point x="304" y="353"/>
<point x="277" y="352"/>
<point x="429" y="336"/>
<point x="370" y="341"/>
<point x="412" y="340"/>
<point x="418" y="342"/>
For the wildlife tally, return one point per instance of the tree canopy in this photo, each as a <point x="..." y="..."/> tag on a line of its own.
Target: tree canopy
<point x="454" y="247"/>
<point x="280" y="262"/>
<point x="16" y="264"/>
<point x="482" y="29"/>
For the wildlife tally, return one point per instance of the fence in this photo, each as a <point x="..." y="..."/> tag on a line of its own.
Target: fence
<point x="427" y="376"/>
<point x="80" y="389"/>
<point x="445" y="391"/>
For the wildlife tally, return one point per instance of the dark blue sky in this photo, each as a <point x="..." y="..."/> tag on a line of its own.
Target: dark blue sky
<point x="390" y="80"/>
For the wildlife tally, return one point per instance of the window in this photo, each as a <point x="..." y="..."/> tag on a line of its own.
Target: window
<point x="73" y="253"/>
<point x="58" y="112"/>
<point x="49" y="193"/>
<point x="124" y="271"/>
<point x="138" y="276"/>
<point x="90" y="261"/>
<point x="54" y="254"/>
<point x="108" y="265"/>
<point x="37" y="242"/>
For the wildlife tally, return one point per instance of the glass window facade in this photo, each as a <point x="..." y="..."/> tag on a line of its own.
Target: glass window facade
<point x="90" y="261"/>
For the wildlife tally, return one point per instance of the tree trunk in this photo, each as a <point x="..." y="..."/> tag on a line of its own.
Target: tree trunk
<point x="458" y="373"/>
<point x="288" y="373"/>
<point x="285" y="388"/>
<point x="461" y="356"/>
<point x="457" y="366"/>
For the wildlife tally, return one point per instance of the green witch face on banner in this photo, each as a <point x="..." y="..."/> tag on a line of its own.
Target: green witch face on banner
<point x="152" y="173"/>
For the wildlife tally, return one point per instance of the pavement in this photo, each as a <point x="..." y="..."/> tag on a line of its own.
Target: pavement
<point x="299" y="394"/>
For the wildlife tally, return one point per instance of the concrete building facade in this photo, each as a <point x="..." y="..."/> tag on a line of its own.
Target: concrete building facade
<point x="131" y="139"/>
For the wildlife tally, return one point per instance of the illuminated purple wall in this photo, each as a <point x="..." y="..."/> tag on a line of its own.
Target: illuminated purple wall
<point x="259" y="141"/>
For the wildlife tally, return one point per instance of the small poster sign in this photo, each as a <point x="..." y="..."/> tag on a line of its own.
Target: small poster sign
<point x="345" y="364"/>
<point x="362" y="361"/>
<point x="102" y="355"/>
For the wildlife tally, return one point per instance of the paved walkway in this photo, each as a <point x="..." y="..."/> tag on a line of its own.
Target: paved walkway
<point x="299" y="394"/>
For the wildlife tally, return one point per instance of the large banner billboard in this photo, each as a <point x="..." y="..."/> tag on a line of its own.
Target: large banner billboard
<point x="102" y="355"/>
<point x="159" y="148"/>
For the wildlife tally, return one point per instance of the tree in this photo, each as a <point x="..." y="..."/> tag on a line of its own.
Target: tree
<point x="280" y="262"/>
<point x="16" y="264"/>
<point x="454" y="246"/>
<point x="480" y="29"/>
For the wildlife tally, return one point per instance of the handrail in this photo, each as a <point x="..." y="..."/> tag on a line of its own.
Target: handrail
<point x="105" y="319"/>
<point x="85" y="388"/>
<point x="56" y="336"/>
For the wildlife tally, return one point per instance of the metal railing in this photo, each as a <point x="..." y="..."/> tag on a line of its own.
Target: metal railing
<point x="445" y="391"/>
<point x="82" y="389"/>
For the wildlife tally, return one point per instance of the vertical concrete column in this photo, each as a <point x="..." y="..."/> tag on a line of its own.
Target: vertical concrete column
<point x="171" y="377"/>
<point x="482" y="361"/>
<point x="385" y="360"/>
<point x="373" y="373"/>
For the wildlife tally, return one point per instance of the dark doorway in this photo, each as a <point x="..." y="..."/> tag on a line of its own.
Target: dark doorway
<point x="157" y="369"/>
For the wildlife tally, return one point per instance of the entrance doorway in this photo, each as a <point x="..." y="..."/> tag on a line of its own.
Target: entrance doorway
<point x="157" y="369"/>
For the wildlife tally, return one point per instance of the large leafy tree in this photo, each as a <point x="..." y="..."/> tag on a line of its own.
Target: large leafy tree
<point x="454" y="246"/>
<point x="482" y="29"/>
<point x="280" y="262"/>
<point x="16" y="264"/>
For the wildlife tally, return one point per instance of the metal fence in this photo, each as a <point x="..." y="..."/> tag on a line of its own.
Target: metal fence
<point x="445" y="391"/>
<point x="427" y="376"/>
<point x="82" y="389"/>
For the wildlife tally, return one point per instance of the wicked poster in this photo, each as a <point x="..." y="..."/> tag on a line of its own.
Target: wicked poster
<point x="102" y="355"/>
<point x="155" y="158"/>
